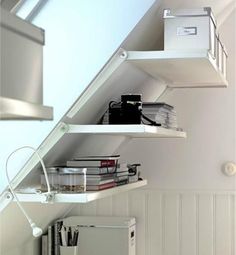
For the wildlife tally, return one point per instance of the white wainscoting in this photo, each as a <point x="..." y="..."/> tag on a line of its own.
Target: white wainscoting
<point x="175" y="222"/>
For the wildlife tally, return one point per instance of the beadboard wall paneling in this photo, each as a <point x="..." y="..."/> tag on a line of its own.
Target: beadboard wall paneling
<point x="223" y="221"/>
<point x="174" y="223"/>
<point x="188" y="213"/>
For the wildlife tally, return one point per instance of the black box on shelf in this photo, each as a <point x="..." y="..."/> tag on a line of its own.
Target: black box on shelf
<point x="128" y="111"/>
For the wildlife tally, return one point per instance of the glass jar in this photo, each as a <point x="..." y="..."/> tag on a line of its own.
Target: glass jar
<point x="53" y="178"/>
<point x="72" y="180"/>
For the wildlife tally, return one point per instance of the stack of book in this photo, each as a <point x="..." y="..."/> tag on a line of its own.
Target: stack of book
<point x="161" y="113"/>
<point x="103" y="172"/>
<point x="50" y="244"/>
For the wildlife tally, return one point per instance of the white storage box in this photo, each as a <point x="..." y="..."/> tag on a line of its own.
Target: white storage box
<point x="104" y="235"/>
<point x="190" y="29"/>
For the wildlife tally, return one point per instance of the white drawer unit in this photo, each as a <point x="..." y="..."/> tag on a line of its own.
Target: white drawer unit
<point x="104" y="235"/>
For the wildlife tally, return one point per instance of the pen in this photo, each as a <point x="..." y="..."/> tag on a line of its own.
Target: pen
<point x="63" y="236"/>
<point x="59" y="232"/>
<point x="75" y="237"/>
<point x="69" y="242"/>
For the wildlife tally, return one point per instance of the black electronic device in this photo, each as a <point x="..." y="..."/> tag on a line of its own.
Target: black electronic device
<point x="128" y="111"/>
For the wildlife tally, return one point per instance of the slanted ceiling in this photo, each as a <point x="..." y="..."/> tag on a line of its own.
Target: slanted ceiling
<point x="148" y="34"/>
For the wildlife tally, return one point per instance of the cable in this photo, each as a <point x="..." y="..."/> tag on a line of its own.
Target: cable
<point x="153" y="123"/>
<point x="114" y="102"/>
<point x="36" y="230"/>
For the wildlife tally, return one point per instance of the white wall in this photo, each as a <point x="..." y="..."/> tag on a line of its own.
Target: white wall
<point x="80" y="37"/>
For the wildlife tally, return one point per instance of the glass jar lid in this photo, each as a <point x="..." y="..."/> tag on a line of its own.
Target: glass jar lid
<point x="51" y="170"/>
<point x="68" y="170"/>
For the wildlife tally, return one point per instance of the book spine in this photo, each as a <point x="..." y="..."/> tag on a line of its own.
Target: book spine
<point x="98" y="183"/>
<point x="123" y="182"/>
<point x="50" y="240"/>
<point x="90" y="164"/>
<point x="44" y="245"/>
<point x="101" y="171"/>
<point x="108" y="163"/>
<point x="122" y="178"/>
<point x="57" y="227"/>
<point x="100" y="176"/>
<point x="100" y="187"/>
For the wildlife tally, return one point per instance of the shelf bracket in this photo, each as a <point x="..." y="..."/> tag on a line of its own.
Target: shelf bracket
<point x="5" y="199"/>
<point x="48" y="198"/>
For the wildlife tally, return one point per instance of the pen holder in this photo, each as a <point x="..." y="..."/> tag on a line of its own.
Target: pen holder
<point x="69" y="250"/>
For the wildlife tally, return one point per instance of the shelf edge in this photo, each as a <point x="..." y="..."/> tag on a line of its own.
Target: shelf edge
<point x="84" y="198"/>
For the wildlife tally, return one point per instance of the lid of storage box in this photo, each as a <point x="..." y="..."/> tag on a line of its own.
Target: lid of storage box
<point x="119" y="222"/>
<point x="198" y="12"/>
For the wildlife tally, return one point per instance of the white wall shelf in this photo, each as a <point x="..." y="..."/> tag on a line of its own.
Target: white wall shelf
<point x="180" y="69"/>
<point x="82" y="197"/>
<point x="134" y="131"/>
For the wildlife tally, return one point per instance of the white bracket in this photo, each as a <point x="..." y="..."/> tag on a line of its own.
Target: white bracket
<point x="123" y="54"/>
<point x="5" y="199"/>
<point x="48" y="198"/>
